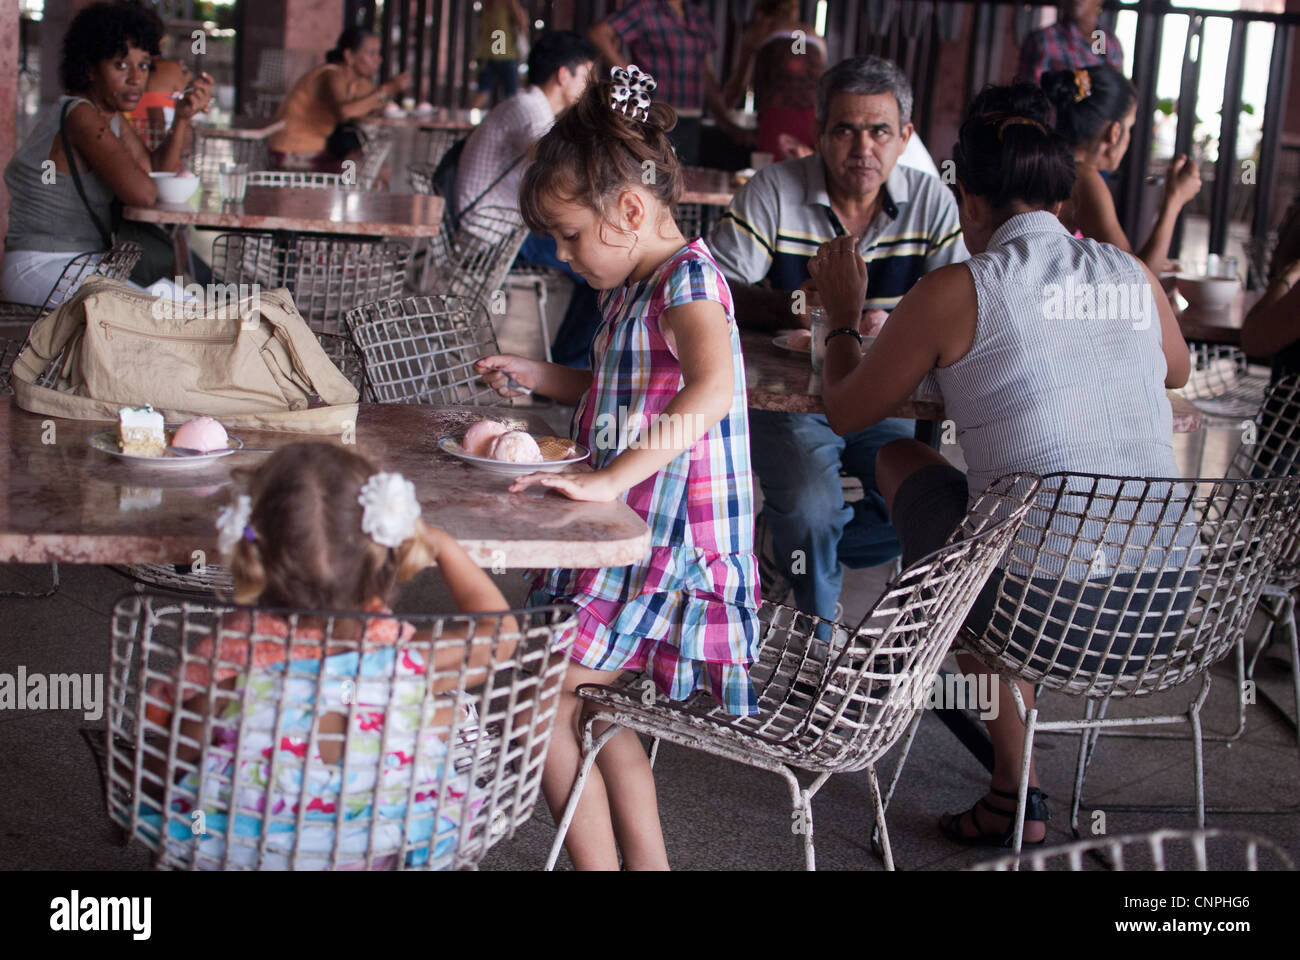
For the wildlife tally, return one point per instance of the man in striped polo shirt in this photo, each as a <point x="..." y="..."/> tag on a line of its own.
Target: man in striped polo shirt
<point x="907" y="225"/>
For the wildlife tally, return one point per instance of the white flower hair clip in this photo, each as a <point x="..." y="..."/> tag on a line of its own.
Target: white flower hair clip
<point x="631" y="93"/>
<point x="232" y="524"/>
<point x="390" y="509"/>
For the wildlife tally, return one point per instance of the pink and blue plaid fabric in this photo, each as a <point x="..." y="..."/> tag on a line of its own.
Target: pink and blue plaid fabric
<point x="687" y="614"/>
<point x="673" y="49"/>
<point x="1063" y="46"/>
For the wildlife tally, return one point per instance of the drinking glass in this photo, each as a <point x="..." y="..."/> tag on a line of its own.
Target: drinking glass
<point x="234" y="181"/>
<point x="817" y="325"/>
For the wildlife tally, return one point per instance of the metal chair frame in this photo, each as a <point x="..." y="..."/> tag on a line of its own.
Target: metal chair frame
<point x="473" y="263"/>
<point x="505" y="677"/>
<point x="327" y="276"/>
<point x="423" y="350"/>
<point x="1213" y="542"/>
<point x="827" y="707"/>
<point x="1158" y="850"/>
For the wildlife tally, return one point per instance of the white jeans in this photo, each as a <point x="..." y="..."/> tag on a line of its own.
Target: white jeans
<point x="29" y="276"/>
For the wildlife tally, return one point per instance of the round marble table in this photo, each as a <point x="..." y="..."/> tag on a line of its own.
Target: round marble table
<point x="702" y="185"/>
<point x="782" y="381"/>
<point x="61" y="500"/>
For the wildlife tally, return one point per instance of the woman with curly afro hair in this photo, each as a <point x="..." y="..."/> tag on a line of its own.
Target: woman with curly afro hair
<point x="107" y="54"/>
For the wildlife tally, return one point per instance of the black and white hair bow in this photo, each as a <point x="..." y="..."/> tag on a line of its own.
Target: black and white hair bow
<point x="631" y="93"/>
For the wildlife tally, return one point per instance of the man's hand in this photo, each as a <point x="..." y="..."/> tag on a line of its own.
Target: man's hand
<point x="841" y="278"/>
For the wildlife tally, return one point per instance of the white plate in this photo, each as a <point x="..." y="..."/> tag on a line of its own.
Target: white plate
<point x="782" y="342"/>
<point x="452" y="445"/>
<point x="106" y="441"/>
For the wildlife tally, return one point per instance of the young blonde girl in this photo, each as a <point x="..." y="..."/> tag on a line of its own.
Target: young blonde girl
<point x="322" y="529"/>
<point x="663" y="410"/>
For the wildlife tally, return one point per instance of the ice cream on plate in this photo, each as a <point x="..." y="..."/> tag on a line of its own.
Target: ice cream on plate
<point x="515" y="446"/>
<point x="480" y="437"/>
<point x="201" y="433"/>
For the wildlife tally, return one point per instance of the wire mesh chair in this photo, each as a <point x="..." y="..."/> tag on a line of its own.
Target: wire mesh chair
<point x="431" y="143"/>
<point x="420" y="176"/>
<point x="379" y="763"/>
<point x="300" y="179"/>
<point x="1159" y="850"/>
<point x="207" y="582"/>
<point x="472" y="264"/>
<point x="211" y="150"/>
<point x="374" y="154"/>
<point x="423" y="350"/>
<point x="1124" y="587"/>
<point x="115" y="263"/>
<point x="327" y="276"/>
<point x="345" y="355"/>
<point x="1222" y="384"/>
<point x="826" y="707"/>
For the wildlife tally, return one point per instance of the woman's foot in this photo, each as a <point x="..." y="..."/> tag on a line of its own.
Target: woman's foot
<point x="991" y="821"/>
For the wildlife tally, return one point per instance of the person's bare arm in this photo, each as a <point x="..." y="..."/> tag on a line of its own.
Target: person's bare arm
<point x="1178" y="363"/>
<point x="113" y="160"/>
<point x="1273" y="323"/>
<point x="336" y="87"/>
<point x="1094" y="210"/>
<point x="606" y="41"/>
<point x="1182" y="183"/>
<point x="197" y="97"/>
<point x="564" y="384"/>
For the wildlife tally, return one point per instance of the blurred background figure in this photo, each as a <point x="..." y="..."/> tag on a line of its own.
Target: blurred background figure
<point x="153" y="117"/>
<point x="672" y="40"/>
<point x="498" y="52"/>
<point x="785" y="57"/>
<point x="320" y="111"/>
<point x="1075" y="40"/>
<point x="1095" y="112"/>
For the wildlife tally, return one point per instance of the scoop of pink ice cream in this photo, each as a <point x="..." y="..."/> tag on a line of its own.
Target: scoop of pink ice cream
<point x="515" y="446"/>
<point x="480" y="437"/>
<point x="201" y="433"/>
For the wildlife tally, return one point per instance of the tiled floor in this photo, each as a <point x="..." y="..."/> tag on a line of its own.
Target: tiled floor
<point x="52" y="813"/>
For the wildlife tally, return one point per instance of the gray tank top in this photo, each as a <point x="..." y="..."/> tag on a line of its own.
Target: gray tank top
<point x="50" y="216"/>
<point x="1066" y="372"/>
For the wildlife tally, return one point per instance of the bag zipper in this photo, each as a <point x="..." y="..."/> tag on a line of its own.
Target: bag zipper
<point x="161" y="336"/>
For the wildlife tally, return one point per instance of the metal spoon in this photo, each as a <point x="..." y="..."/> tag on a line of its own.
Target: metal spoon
<point x="190" y="452"/>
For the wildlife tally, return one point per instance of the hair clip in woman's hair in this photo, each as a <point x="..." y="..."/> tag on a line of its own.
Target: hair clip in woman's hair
<point x="232" y="524"/>
<point x="1082" y="85"/>
<point x="1013" y="121"/>
<point x="390" y="509"/>
<point x="631" y="91"/>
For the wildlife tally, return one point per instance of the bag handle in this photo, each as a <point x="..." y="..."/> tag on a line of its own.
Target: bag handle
<point x="76" y="177"/>
<point x="491" y="186"/>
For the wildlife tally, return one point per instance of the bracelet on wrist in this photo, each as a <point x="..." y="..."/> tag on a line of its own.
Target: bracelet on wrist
<point x="839" y="330"/>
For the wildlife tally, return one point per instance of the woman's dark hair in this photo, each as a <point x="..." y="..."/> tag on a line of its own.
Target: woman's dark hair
<point x="1007" y="151"/>
<point x="594" y="153"/>
<point x="103" y="31"/>
<point x="555" y="49"/>
<point x="1088" y="100"/>
<point x="310" y="551"/>
<point x="350" y="39"/>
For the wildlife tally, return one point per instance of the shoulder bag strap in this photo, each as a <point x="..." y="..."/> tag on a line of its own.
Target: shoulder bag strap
<point x="474" y="203"/>
<point x="76" y="178"/>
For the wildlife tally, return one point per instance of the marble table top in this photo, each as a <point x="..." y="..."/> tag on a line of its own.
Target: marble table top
<point x="241" y="128"/>
<point x="442" y="118"/>
<point x="305" y="210"/>
<point x="710" y="187"/>
<point x="65" y="501"/>
<point x="782" y="381"/>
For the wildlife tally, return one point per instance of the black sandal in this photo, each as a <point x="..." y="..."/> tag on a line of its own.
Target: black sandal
<point x="1035" y="812"/>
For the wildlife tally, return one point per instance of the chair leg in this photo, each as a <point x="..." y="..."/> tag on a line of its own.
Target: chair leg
<point x="1198" y="755"/>
<point x="589" y="753"/>
<point x="876" y="843"/>
<point x="1031" y="721"/>
<point x="1081" y="766"/>
<point x="540" y="286"/>
<point x="1295" y="659"/>
<point x="886" y="853"/>
<point x="654" y="752"/>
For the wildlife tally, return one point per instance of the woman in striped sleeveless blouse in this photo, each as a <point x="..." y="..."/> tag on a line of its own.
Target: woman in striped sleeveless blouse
<point x="1030" y="386"/>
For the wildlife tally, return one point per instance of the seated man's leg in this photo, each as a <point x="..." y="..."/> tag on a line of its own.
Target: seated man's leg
<point x="796" y="457"/>
<point x="869" y="538"/>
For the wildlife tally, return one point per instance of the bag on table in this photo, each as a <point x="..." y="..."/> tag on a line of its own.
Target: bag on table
<point x="251" y="363"/>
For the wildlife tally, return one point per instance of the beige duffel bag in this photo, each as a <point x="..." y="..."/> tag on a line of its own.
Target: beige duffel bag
<point x="251" y="363"/>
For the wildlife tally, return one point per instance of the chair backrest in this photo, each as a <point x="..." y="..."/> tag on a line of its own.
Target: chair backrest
<point x="420" y="177"/>
<point x="328" y="276"/>
<point x="116" y="264"/>
<point x="1118" y="586"/>
<point x="244" y="738"/>
<point x="423" y="350"/>
<point x="432" y="142"/>
<point x="1222" y="383"/>
<point x="1156" y="851"/>
<point x="302" y="179"/>
<point x="212" y="150"/>
<point x="853" y="696"/>
<point x="474" y="262"/>
<point x="1270" y="447"/>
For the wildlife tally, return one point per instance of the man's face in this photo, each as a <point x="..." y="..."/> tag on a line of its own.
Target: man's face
<point x="573" y="82"/>
<point x="861" y="142"/>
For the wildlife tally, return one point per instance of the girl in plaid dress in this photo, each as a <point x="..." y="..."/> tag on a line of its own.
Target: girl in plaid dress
<point x="663" y="410"/>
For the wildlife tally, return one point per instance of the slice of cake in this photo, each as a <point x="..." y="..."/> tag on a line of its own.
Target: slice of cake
<point x="141" y="432"/>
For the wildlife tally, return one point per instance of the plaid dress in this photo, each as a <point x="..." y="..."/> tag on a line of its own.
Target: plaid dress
<point x="687" y="613"/>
